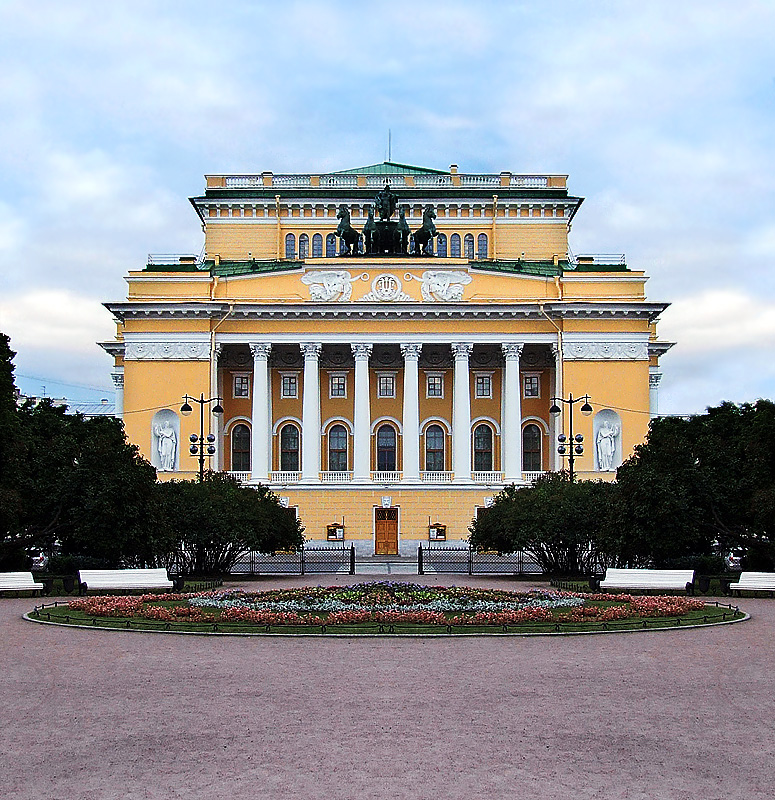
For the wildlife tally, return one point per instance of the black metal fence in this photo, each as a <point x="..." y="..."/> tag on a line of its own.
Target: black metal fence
<point x="467" y="561"/>
<point x="304" y="561"/>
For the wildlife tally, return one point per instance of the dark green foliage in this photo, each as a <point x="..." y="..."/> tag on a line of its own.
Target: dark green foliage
<point x="203" y="528"/>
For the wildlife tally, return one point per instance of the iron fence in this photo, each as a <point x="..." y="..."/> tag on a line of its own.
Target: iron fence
<point x="304" y="561"/>
<point x="459" y="560"/>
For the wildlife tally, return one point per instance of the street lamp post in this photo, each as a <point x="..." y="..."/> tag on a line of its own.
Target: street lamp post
<point x="201" y="445"/>
<point x="572" y="444"/>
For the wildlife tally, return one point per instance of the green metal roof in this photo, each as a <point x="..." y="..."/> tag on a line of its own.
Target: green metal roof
<point x="390" y="168"/>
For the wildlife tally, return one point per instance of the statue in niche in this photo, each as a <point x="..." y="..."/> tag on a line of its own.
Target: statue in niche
<point x="403" y="231"/>
<point x="606" y="445"/>
<point x="166" y="443"/>
<point x="346" y="232"/>
<point x="370" y="233"/>
<point x="424" y="236"/>
<point x="385" y="203"/>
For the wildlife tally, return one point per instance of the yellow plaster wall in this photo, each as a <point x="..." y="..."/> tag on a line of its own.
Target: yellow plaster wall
<point x="541" y="241"/>
<point x="235" y="241"/>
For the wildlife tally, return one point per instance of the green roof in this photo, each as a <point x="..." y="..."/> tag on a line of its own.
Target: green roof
<point x="390" y="168"/>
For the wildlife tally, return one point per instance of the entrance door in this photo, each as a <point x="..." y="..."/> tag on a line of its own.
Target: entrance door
<point x="386" y="531"/>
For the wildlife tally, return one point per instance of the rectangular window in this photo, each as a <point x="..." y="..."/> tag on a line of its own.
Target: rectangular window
<point x="289" y="386"/>
<point x="337" y="386"/>
<point x="241" y="386"/>
<point x="532" y="386"/>
<point x="483" y="386"/>
<point x="386" y="386"/>
<point x="435" y="386"/>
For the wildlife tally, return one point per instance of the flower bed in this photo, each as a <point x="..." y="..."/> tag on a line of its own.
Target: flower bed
<point x="387" y="606"/>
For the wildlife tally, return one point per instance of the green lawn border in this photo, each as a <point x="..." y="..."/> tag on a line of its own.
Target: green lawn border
<point x="646" y="625"/>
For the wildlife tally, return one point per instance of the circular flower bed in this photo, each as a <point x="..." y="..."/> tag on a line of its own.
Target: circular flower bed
<point x="386" y="606"/>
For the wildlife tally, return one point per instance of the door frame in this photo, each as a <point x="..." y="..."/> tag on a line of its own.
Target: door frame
<point x="376" y="508"/>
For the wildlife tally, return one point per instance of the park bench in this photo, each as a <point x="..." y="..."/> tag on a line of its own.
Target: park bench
<point x="754" y="582"/>
<point x="19" y="582"/>
<point x="124" y="579"/>
<point x="649" y="579"/>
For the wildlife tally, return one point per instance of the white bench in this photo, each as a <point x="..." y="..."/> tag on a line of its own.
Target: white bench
<point x="19" y="582"/>
<point x="754" y="582"/>
<point x="649" y="579"/>
<point x="125" y="579"/>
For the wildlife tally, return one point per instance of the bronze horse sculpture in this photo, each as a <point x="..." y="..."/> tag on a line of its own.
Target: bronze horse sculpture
<point x="346" y="232"/>
<point x="424" y="236"/>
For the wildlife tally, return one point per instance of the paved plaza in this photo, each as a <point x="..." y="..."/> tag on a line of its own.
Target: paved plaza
<point x="675" y="714"/>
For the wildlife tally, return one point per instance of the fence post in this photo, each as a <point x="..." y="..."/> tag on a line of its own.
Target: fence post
<point x="301" y="560"/>
<point x="352" y="559"/>
<point x="470" y="560"/>
<point x="419" y="560"/>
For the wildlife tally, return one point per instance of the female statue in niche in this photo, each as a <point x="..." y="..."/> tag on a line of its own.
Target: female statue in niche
<point x="166" y="444"/>
<point x="606" y="446"/>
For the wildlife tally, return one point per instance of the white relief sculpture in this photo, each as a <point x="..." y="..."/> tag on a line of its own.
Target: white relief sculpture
<point x="180" y="350"/>
<point x="606" y="446"/>
<point x="167" y="444"/>
<point x="607" y="432"/>
<point x="386" y="288"/>
<point x="326" y="285"/>
<point x="445" y="285"/>
<point x="605" y="351"/>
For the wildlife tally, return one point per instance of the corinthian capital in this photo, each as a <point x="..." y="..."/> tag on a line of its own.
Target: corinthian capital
<point x="411" y="350"/>
<point x="361" y="350"/>
<point x="462" y="350"/>
<point x="512" y="351"/>
<point x="311" y="349"/>
<point x="260" y="350"/>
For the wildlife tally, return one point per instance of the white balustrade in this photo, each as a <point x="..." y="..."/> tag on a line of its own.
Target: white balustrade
<point x="436" y="477"/>
<point x="531" y="477"/>
<point x="336" y="477"/>
<point x="242" y="477"/>
<point x="386" y="477"/>
<point x="285" y="477"/>
<point x="487" y="477"/>
<point x="530" y="181"/>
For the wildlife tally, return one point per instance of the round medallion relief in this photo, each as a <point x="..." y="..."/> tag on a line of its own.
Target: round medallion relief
<point x="386" y="287"/>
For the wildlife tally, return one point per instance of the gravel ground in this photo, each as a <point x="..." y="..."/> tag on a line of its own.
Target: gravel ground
<point x="676" y="714"/>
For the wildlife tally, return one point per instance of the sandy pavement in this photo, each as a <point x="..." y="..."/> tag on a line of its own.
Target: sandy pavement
<point x="676" y="714"/>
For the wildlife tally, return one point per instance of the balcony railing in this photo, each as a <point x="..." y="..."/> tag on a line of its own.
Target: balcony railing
<point x="336" y="477"/>
<point x="487" y="477"/>
<point x="242" y="477"/>
<point x="285" y="477"/>
<point x="532" y="477"/>
<point x="436" y="477"/>
<point x="382" y="476"/>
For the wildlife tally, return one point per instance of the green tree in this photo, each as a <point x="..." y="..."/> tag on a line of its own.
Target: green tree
<point x="205" y="527"/>
<point x="12" y="542"/>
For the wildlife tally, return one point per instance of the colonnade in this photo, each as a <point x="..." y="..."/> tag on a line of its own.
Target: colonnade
<point x="511" y="418"/>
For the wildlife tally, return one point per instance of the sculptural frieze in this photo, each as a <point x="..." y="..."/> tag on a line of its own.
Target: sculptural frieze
<point x="328" y="285"/>
<point x="386" y="288"/>
<point x="442" y="285"/>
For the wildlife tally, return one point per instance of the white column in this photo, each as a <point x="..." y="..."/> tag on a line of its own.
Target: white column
<point x="555" y="420"/>
<point x="310" y="414"/>
<point x="118" y="382"/>
<point x="461" y="414"/>
<point x="654" y="379"/>
<point x="260" y="419"/>
<point x="362" y="415"/>
<point x="411" y="413"/>
<point x="511" y="424"/>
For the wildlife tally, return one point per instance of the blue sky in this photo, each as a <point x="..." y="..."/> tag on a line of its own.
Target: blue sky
<point x="662" y="114"/>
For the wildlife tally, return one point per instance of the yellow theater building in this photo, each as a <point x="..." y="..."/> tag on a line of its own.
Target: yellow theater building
<point x="386" y="343"/>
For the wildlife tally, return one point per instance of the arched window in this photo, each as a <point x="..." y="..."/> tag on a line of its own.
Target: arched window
<point x="337" y="449"/>
<point x="290" y="246"/>
<point x="454" y="245"/>
<point x="531" y="448"/>
<point x="317" y="246"/>
<point x="240" y="448"/>
<point x="441" y="245"/>
<point x="481" y="245"/>
<point x="434" y="448"/>
<point x="330" y="245"/>
<point x="289" y="448"/>
<point x="303" y="246"/>
<point x="468" y="243"/>
<point x="482" y="448"/>
<point x="386" y="448"/>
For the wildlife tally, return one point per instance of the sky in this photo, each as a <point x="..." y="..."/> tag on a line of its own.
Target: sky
<point x="661" y="113"/>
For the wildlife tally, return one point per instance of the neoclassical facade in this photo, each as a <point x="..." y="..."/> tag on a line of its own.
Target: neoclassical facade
<point x="386" y="343"/>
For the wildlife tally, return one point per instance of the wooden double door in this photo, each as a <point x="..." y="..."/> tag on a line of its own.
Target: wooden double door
<point x="386" y="531"/>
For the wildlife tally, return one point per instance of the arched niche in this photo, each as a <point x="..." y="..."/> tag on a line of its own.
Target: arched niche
<point x="607" y="433"/>
<point x="165" y="441"/>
